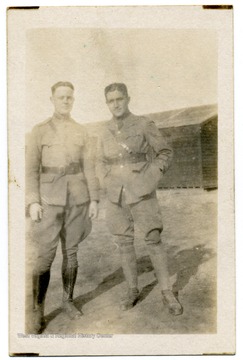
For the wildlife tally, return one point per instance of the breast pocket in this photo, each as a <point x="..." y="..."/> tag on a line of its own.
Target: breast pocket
<point x="75" y="149"/>
<point x="52" y="152"/>
<point x="134" y="141"/>
<point x="49" y="141"/>
<point x="111" y="147"/>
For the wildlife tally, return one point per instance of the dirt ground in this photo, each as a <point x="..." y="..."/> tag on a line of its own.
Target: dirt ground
<point x="190" y="237"/>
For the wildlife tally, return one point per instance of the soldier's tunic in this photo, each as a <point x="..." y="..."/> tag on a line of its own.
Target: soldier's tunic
<point x="130" y="163"/>
<point x="60" y="175"/>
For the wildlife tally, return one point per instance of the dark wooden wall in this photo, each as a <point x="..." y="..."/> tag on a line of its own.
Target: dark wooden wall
<point x="195" y="156"/>
<point x="209" y="144"/>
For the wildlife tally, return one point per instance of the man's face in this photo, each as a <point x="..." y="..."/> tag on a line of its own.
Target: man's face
<point x="62" y="100"/>
<point x="117" y="103"/>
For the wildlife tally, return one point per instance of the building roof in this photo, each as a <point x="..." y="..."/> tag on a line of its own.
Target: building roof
<point x="186" y="116"/>
<point x="172" y="118"/>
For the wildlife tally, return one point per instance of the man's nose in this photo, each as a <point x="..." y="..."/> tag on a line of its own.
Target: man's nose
<point x="66" y="99"/>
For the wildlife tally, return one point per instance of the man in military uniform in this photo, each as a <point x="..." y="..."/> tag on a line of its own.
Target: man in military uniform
<point x="62" y="196"/>
<point x="132" y="157"/>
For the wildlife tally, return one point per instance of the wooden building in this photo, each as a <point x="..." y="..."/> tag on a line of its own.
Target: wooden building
<point x="192" y="133"/>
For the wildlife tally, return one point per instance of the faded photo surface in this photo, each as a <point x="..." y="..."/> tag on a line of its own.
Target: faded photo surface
<point x="126" y="219"/>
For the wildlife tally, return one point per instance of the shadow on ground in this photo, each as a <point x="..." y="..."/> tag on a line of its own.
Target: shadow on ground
<point x="183" y="265"/>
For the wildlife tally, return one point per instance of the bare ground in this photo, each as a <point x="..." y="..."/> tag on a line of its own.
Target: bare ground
<point x="190" y="237"/>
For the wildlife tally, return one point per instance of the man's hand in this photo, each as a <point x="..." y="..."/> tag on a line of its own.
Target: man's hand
<point x="93" y="210"/>
<point x="36" y="212"/>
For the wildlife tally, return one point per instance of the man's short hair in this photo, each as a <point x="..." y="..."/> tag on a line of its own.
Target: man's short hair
<point x="116" y="86"/>
<point x="61" y="83"/>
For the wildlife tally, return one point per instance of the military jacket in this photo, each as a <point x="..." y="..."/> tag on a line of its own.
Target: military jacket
<point x="57" y="143"/>
<point x="133" y="158"/>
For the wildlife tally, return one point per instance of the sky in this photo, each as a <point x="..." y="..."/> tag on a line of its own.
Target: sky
<point x="163" y="69"/>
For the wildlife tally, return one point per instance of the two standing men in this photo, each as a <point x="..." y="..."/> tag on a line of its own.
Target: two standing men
<point x="62" y="193"/>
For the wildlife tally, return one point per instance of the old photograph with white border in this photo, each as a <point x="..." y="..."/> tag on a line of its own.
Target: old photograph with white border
<point x="92" y="165"/>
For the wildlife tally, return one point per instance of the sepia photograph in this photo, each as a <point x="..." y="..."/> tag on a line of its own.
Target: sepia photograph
<point x="123" y="175"/>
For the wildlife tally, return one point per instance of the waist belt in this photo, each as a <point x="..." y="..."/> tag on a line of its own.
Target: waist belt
<point x="132" y="159"/>
<point x="70" y="169"/>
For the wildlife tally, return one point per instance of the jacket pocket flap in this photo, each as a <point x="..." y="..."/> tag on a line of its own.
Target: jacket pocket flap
<point x="50" y="140"/>
<point x="137" y="167"/>
<point x="80" y="176"/>
<point x="47" y="178"/>
<point x="134" y="134"/>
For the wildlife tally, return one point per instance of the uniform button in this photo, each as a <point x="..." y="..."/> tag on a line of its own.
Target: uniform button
<point x="120" y="155"/>
<point x="118" y="132"/>
<point x="121" y="166"/>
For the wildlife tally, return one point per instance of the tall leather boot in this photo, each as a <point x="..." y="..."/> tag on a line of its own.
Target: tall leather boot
<point x="159" y="261"/>
<point x="129" y="266"/>
<point x="40" y="285"/>
<point x="69" y="275"/>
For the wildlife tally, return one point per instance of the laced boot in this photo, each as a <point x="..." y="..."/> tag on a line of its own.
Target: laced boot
<point x="159" y="261"/>
<point x="129" y="267"/>
<point x="69" y="276"/>
<point x="40" y="285"/>
<point x="130" y="299"/>
<point x="170" y="300"/>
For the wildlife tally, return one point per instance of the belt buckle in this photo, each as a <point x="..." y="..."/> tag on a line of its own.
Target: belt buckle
<point x="62" y="170"/>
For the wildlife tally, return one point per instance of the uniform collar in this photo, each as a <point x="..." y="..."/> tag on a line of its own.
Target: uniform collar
<point x="122" y="118"/>
<point x="58" y="118"/>
<point x="127" y="121"/>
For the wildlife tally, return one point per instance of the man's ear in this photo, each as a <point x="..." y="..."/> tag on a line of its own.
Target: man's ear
<point x="51" y="99"/>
